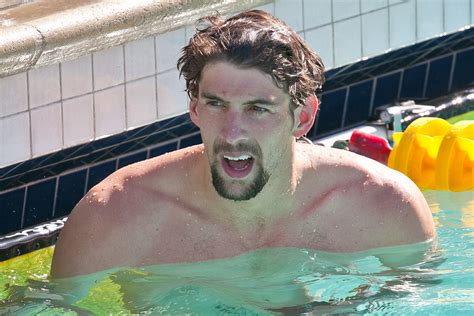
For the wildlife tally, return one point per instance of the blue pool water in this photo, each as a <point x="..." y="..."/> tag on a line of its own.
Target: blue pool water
<point x="268" y="281"/>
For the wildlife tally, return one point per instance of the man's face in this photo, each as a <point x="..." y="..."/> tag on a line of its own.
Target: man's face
<point x="246" y="126"/>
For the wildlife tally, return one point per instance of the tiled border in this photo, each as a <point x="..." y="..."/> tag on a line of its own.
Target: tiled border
<point x="420" y="72"/>
<point x="96" y="151"/>
<point x="69" y="178"/>
<point x="31" y="190"/>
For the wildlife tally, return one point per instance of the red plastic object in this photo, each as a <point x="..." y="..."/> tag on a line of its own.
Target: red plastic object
<point x="369" y="145"/>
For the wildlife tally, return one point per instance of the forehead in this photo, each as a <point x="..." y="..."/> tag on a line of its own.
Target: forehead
<point x="230" y="81"/>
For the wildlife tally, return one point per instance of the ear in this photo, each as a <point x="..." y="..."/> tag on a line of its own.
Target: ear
<point x="304" y="116"/>
<point x="193" y="111"/>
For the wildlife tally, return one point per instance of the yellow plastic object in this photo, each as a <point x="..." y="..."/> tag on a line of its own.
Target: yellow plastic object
<point x="435" y="154"/>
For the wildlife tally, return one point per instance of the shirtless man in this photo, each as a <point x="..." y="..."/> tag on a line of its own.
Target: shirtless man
<point x="250" y="185"/>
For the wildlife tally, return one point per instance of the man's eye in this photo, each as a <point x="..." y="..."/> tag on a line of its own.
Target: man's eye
<point x="258" y="109"/>
<point x="214" y="103"/>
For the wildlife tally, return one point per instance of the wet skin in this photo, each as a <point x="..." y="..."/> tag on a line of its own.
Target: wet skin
<point x="168" y="209"/>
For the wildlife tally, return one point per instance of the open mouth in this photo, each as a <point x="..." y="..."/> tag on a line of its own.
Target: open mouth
<point x="237" y="166"/>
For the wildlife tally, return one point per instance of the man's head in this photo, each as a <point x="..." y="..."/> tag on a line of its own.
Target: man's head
<point x="252" y="83"/>
<point x="254" y="39"/>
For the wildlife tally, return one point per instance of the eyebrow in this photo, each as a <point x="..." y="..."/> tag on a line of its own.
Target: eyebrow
<point x="211" y="96"/>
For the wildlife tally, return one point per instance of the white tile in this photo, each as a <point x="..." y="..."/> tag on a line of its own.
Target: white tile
<point x="189" y="31"/>
<point x="14" y="139"/>
<point x="369" y="5"/>
<point x="78" y="120"/>
<point x="347" y="41"/>
<point x="456" y="14"/>
<point x="402" y="24"/>
<point x="172" y="99"/>
<point x="140" y="58"/>
<point x="108" y="68"/>
<point x="46" y="129"/>
<point x="44" y="85"/>
<point x="290" y="11"/>
<point x="13" y="94"/>
<point x="395" y="2"/>
<point x="429" y="20"/>
<point x="375" y="32"/>
<point x="321" y="41"/>
<point x="109" y="111"/>
<point x="168" y="49"/>
<point x="76" y="76"/>
<point x="316" y="13"/>
<point x="343" y="9"/>
<point x="269" y="7"/>
<point x="472" y="12"/>
<point x="141" y="102"/>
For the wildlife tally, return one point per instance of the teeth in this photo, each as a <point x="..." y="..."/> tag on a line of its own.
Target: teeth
<point x="241" y="157"/>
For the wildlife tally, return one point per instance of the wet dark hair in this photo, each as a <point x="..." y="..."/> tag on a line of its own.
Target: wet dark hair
<point x="253" y="39"/>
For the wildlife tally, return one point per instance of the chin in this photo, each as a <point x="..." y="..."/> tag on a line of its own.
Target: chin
<point x="239" y="190"/>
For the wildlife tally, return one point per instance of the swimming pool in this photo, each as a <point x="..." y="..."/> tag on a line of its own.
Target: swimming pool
<point x="290" y="280"/>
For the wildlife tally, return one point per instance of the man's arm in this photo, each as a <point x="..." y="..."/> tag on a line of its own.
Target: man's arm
<point x="402" y="220"/>
<point x="82" y="244"/>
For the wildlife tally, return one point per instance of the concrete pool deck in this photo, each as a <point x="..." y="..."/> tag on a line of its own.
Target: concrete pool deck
<point x="43" y="32"/>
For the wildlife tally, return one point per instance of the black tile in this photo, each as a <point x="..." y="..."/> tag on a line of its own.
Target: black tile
<point x="438" y="77"/>
<point x="20" y="167"/>
<point x="183" y="129"/>
<point x="39" y="202"/>
<point x="34" y="175"/>
<point x="71" y="188"/>
<point x="358" y="103"/>
<point x="386" y="89"/>
<point x="413" y="82"/>
<point x="8" y="169"/>
<point x="330" y="113"/>
<point x="11" y="209"/>
<point x="463" y="74"/>
<point x="65" y="166"/>
<point x="110" y="141"/>
<point x="125" y="147"/>
<point x="163" y="149"/>
<point x="100" y="172"/>
<point x="156" y="138"/>
<point x="191" y="140"/>
<point x="124" y="161"/>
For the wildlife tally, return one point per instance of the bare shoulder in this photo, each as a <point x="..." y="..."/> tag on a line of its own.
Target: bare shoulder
<point x="377" y="205"/>
<point x="118" y="211"/>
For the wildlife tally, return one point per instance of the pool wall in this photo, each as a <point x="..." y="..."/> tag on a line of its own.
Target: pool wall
<point x="66" y="125"/>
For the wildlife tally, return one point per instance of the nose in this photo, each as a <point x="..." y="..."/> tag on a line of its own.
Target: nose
<point x="233" y="130"/>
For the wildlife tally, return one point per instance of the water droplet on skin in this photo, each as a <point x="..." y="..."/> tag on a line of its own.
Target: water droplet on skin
<point x="94" y="194"/>
<point x="177" y="198"/>
<point x="336" y="226"/>
<point x="314" y="230"/>
<point x="100" y="200"/>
